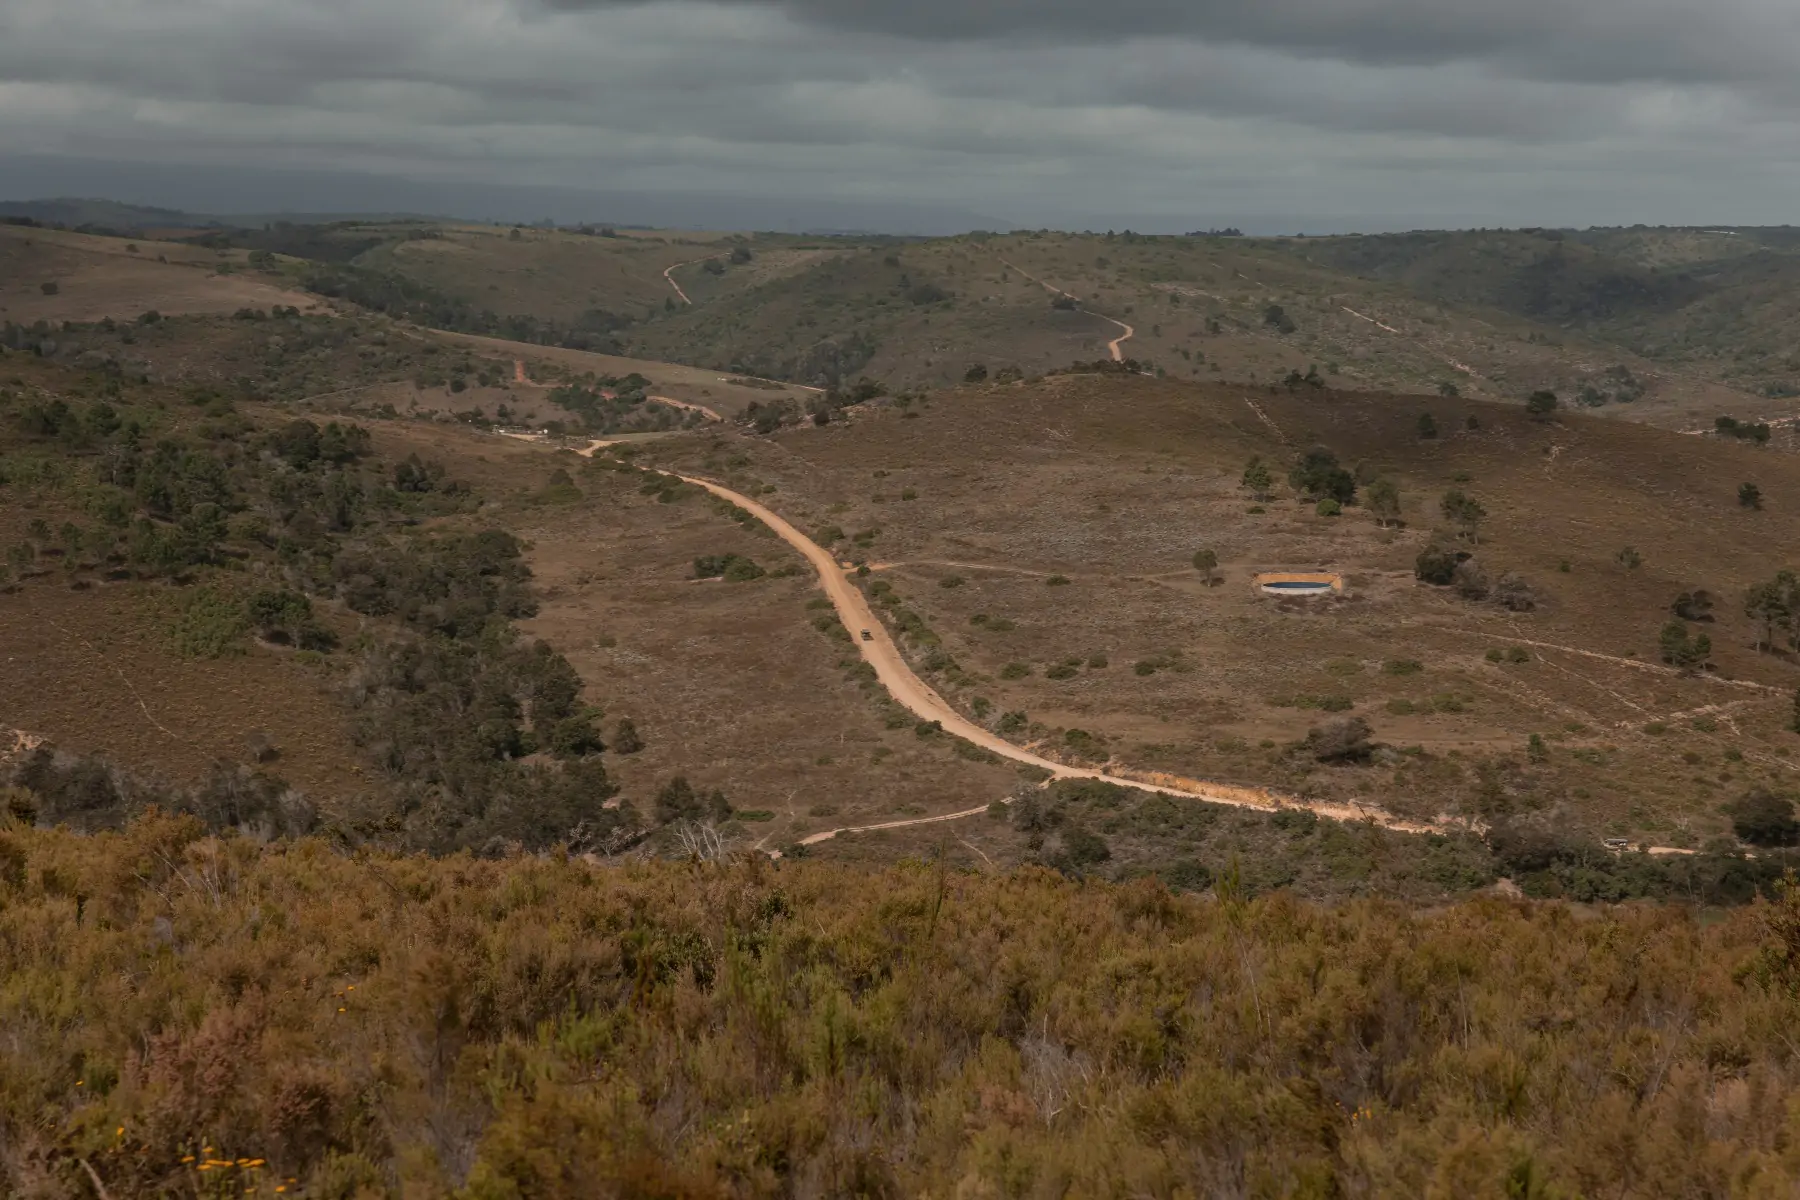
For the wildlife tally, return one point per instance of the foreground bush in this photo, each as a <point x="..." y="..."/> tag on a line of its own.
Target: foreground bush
<point x="187" y="1015"/>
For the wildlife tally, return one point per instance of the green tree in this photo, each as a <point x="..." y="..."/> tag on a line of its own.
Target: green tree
<point x="1318" y="476"/>
<point x="1774" y="605"/>
<point x="1257" y="480"/>
<point x="1463" y="511"/>
<point x="626" y="739"/>
<point x="1383" y="500"/>
<point x="1427" y="426"/>
<point x="1540" y="406"/>
<point x="1207" y="563"/>
<point x="1749" y="496"/>
<point x="1683" y="650"/>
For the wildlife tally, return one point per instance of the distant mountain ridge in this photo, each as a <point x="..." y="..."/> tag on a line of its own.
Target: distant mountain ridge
<point x="339" y="195"/>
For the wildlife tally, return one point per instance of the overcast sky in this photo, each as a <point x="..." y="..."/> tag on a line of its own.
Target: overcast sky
<point x="1056" y="112"/>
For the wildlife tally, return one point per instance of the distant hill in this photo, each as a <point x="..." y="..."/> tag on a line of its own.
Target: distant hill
<point x="107" y="214"/>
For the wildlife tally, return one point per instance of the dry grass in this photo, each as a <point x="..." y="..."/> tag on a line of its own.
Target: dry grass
<point x="1114" y="483"/>
<point x="97" y="277"/>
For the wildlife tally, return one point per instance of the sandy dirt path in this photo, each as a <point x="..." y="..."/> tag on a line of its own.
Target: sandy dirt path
<point x="1112" y="347"/>
<point x="668" y="274"/>
<point x="916" y="696"/>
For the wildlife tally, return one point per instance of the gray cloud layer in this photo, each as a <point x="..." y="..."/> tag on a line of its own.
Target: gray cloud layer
<point x="1046" y="111"/>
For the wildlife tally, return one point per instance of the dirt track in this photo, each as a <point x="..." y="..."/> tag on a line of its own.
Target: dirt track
<point x="917" y="696"/>
<point x="690" y="262"/>
<point x="1112" y="347"/>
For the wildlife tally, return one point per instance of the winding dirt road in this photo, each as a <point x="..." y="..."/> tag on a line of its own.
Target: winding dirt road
<point x="690" y="262"/>
<point x="918" y="698"/>
<point x="1112" y="347"/>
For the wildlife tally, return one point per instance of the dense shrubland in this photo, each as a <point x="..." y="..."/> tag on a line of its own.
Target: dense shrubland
<point x="267" y="528"/>
<point x="191" y="1015"/>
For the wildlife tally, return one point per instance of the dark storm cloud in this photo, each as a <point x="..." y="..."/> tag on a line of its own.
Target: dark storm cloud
<point x="1578" y="40"/>
<point x="1045" y="110"/>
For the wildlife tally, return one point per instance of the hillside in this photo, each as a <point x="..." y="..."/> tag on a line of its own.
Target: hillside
<point x="967" y="505"/>
<point x="445" y="757"/>
<point x="1669" y="327"/>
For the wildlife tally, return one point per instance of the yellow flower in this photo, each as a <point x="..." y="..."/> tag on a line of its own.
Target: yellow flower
<point x="187" y="1158"/>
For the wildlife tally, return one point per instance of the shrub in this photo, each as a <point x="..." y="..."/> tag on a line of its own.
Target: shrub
<point x="1402" y="666"/>
<point x="1427" y="426"/>
<point x="1629" y="558"/>
<point x="1257" y="479"/>
<point x="1470" y="580"/>
<point x="1057" y="581"/>
<point x="1329" y="508"/>
<point x="1513" y="592"/>
<point x="1015" y="670"/>
<point x="1540" y="406"/>
<point x="1749" y="495"/>
<point x="1143" y="667"/>
<point x="1763" y="818"/>
<point x="1437" y="564"/>
<point x="951" y="581"/>
<point x="1344" y="740"/>
<point x="1061" y="671"/>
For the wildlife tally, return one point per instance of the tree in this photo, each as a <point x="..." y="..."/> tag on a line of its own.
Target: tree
<point x="49" y="289"/>
<point x="626" y="739"/>
<point x="1541" y="405"/>
<point x="1207" y="563"/>
<point x="1276" y="318"/>
<point x="1764" y="819"/>
<point x="1682" y="650"/>
<point x="1383" y="499"/>
<point x="740" y="255"/>
<point x="1318" y="476"/>
<point x="1427" y="426"/>
<point x="1257" y="479"/>
<point x="1749" y="496"/>
<point x="1774" y="605"/>
<point x="1448" y="390"/>
<point x="1463" y="511"/>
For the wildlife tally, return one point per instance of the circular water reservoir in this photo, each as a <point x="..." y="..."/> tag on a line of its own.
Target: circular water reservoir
<point x="1300" y="583"/>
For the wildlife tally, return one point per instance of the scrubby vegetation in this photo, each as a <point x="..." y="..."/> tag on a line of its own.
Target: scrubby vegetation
<point x="480" y="738"/>
<point x="194" y="1015"/>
